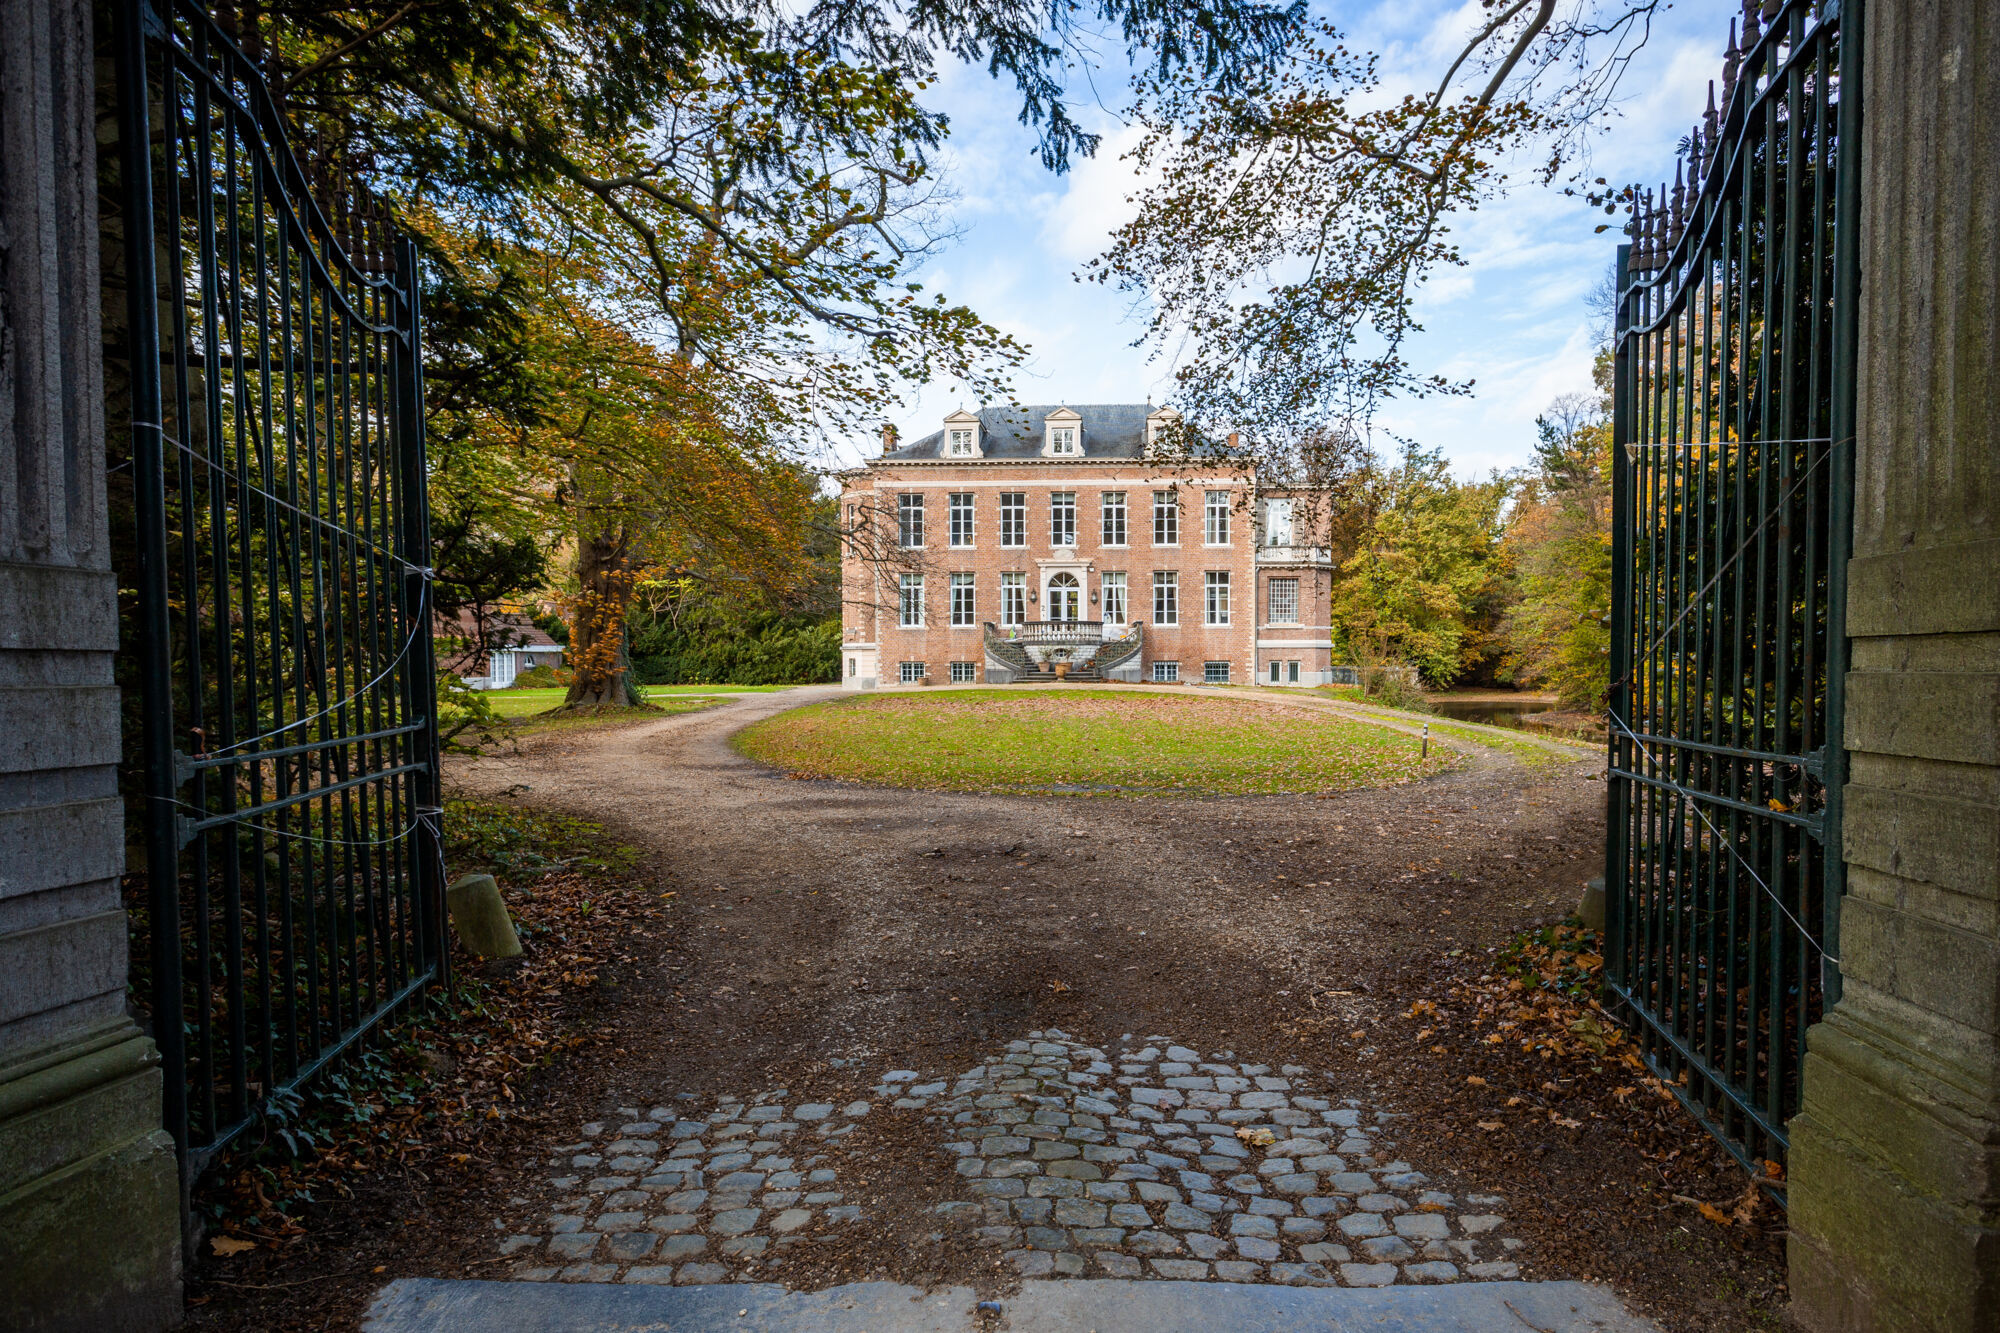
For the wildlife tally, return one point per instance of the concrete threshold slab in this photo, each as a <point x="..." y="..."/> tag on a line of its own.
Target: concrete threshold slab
<point x="429" y="1305"/>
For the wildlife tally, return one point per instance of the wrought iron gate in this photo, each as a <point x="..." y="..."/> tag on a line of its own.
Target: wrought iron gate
<point x="1734" y="410"/>
<point x="288" y="755"/>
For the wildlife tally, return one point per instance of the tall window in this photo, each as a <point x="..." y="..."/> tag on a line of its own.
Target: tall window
<point x="910" y="520"/>
<point x="961" y="518"/>
<point x="961" y="600"/>
<point x="1013" y="518"/>
<point x="1166" y="597"/>
<point x="1215" y="519"/>
<point x="1216" y="584"/>
<point x="1166" y="519"/>
<point x="1284" y="600"/>
<point x="1114" y="518"/>
<point x="1062" y="518"/>
<point x="1062" y="439"/>
<point x="1013" y="599"/>
<point x="961" y="443"/>
<point x="1114" y="599"/>
<point x="913" y="601"/>
<point x="1278" y="522"/>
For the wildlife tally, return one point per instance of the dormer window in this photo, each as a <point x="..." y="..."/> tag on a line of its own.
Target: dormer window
<point x="1159" y="422"/>
<point x="1063" y="434"/>
<point x="961" y="435"/>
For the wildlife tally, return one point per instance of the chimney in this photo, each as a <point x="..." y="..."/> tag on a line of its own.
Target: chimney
<point x="888" y="438"/>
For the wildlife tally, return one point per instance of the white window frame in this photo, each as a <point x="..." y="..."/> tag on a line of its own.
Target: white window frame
<point x="1215" y="609"/>
<point x="1215" y="673"/>
<point x="910" y="520"/>
<point x="909" y="673"/>
<point x="1062" y="442"/>
<point x="1013" y="599"/>
<point x="911" y="584"/>
<point x="1277" y="672"/>
<point x="1292" y="673"/>
<point x="1115" y="597"/>
<point x="1166" y="597"/>
<point x="1271" y="607"/>
<point x="1062" y="518"/>
<point x="1166" y="673"/>
<point x="963" y="613"/>
<point x="959" y="504"/>
<point x="1112" y="516"/>
<point x="1166" y="518"/>
<point x="961" y="442"/>
<point x="964" y="673"/>
<point x="1278" y="521"/>
<point x="1215" y="519"/>
<point x="1013" y="518"/>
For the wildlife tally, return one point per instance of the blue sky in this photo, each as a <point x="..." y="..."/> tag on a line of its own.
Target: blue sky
<point x="1514" y="319"/>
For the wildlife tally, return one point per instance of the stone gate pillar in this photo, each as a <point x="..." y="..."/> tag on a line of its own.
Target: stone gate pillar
<point x="1895" y="1162"/>
<point x="89" y="1189"/>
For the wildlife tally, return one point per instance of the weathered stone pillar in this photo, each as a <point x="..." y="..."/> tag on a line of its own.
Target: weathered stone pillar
<point x="1895" y="1164"/>
<point x="89" y="1190"/>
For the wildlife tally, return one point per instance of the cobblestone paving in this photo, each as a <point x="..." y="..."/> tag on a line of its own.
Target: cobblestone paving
<point x="1149" y="1159"/>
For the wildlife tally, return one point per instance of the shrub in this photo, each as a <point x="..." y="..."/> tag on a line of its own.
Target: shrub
<point x="544" y="677"/>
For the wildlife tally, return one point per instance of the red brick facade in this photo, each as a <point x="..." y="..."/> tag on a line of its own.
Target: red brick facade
<point x="1051" y="526"/>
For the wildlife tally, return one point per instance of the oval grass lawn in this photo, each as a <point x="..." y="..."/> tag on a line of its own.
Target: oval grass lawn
<point x="1086" y="742"/>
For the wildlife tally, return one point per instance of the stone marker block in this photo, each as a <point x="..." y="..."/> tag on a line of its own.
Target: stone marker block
<point x="480" y="917"/>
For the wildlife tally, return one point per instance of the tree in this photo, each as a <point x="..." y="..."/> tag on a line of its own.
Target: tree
<point x="1424" y="585"/>
<point x="1291" y="221"/>
<point x="742" y="189"/>
<point x="1559" y="543"/>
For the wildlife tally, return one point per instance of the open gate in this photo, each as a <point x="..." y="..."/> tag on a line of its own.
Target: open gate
<point x="278" y="635"/>
<point x="1733" y="457"/>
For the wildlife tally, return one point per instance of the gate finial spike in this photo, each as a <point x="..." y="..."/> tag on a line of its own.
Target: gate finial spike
<point x="1750" y="28"/>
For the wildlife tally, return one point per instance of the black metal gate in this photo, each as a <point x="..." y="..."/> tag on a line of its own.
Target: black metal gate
<point x="281" y="648"/>
<point x="1734" y="413"/>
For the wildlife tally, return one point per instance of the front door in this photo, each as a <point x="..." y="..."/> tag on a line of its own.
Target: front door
<point x="1063" y="597"/>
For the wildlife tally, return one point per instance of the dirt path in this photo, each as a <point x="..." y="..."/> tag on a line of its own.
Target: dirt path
<point x="832" y="920"/>
<point x="862" y="968"/>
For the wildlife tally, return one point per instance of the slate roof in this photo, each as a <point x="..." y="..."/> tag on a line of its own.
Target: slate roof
<point x="1110" y="430"/>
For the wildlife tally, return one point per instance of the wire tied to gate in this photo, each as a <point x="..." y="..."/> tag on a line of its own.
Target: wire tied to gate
<point x="255" y="827"/>
<point x="1778" y="507"/>
<point x="248" y="488"/>
<point x="1694" y="804"/>
<point x="425" y="575"/>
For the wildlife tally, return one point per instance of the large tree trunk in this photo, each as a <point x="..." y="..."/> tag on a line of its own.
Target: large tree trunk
<point x="597" y="650"/>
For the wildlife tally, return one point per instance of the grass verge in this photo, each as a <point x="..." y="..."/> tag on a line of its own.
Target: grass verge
<point x="1095" y="742"/>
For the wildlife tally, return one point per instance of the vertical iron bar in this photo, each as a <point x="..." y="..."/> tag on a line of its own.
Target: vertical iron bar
<point x="150" y="514"/>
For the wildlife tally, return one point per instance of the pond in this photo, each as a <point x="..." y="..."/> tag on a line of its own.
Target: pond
<point x="1493" y="710"/>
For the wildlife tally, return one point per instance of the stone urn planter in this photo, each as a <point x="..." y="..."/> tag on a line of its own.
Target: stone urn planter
<point x="1062" y="670"/>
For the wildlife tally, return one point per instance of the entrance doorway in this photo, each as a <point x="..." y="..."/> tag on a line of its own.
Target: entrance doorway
<point x="1065" y="597"/>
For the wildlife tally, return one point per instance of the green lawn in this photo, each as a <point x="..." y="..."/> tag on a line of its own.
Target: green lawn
<point x="1088" y="742"/>
<point x="522" y="703"/>
<point x="525" y="710"/>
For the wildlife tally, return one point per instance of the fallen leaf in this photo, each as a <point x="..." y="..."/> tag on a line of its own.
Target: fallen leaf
<point x="1475" y="1080"/>
<point x="1257" y="1138"/>
<point x="1489" y="1124"/>
<point x="228" y="1245"/>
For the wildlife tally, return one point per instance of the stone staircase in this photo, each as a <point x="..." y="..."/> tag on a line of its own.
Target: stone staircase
<point x="1009" y="660"/>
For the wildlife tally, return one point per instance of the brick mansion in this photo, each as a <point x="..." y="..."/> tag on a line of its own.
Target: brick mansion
<point x="1075" y="542"/>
